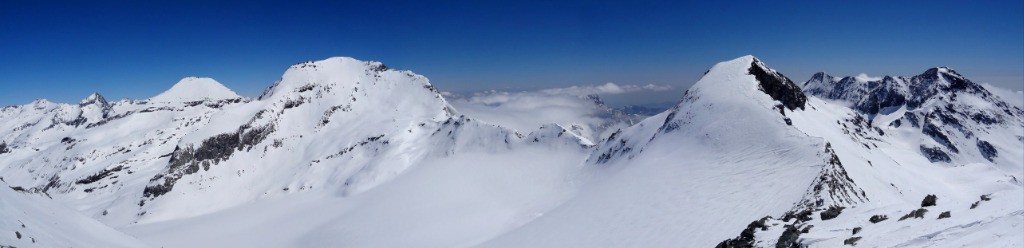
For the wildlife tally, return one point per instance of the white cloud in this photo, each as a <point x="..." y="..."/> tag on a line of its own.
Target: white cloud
<point x="865" y="78"/>
<point x="528" y="110"/>
<point x="1015" y="98"/>
<point x="607" y="88"/>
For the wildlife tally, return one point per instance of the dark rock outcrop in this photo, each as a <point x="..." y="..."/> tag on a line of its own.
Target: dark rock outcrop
<point x="789" y="238"/>
<point x="919" y="213"/>
<point x="211" y="151"/>
<point x="778" y="86"/>
<point x="831" y="213"/>
<point x="935" y="154"/>
<point x="987" y="150"/>
<point x="851" y="241"/>
<point x="929" y="201"/>
<point x="746" y="238"/>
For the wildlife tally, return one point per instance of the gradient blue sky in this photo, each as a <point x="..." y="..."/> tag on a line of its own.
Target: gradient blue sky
<point x="64" y="51"/>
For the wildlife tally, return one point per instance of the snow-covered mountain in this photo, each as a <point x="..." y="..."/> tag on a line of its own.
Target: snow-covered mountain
<point x="342" y="152"/>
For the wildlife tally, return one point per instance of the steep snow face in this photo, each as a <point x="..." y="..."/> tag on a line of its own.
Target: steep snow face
<point x="689" y="177"/>
<point x="31" y="220"/>
<point x="192" y="89"/>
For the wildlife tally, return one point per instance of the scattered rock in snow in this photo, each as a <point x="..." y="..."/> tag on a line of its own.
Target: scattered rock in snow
<point x="944" y="215"/>
<point x="831" y="213"/>
<point x="851" y="241"/>
<point x="878" y="218"/>
<point x="987" y="150"/>
<point x="919" y="213"/>
<point x="929" y="201"/>
<point x="746" y="238"/>
<point x="856" y="230"/>
<point x="789" y="237"/>
<point x="935" y="154"/>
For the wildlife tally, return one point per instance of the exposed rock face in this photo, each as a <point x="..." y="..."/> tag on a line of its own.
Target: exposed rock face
<point x="935" y="154"/>
<point x="831" y="213"/>
<point x="746" y="238"/>
<point x="871" y="96"/>
<point x="987" y="150"/>
<point x="778" y="86"/>
<point x="940" y="102"/>
<point x="833" y="186"/>
<point x="188" y="160"/>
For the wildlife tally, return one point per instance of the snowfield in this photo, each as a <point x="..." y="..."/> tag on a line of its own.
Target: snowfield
<point x="348" y="153"/>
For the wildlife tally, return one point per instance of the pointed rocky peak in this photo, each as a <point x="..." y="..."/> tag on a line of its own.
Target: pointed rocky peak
<point x="776" y="85"/>
<point x="191" y="89"/>
<point x="94" y="99"/>
<point x="819" y="80"/>
<point x="821" y="77"/>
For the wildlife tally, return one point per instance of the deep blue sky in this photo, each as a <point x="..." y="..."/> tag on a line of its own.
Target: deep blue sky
<point x="64" y="51"/>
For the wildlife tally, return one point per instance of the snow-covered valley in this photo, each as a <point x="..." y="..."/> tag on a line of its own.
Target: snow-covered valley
<point x="348" y="153"/>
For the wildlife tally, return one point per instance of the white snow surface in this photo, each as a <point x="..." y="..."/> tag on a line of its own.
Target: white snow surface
<point x="342" y="152"/>
<point x="195" y="89"/>
<point x="32" y="220"/>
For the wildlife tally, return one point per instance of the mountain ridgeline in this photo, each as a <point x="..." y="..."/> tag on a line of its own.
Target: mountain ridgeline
<point x="746" y="158"/>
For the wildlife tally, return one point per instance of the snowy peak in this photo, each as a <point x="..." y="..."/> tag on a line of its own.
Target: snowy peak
<point x="872" y="95"/>
<point x="742" y="75"/>
<point x="94" y="99"/>
<point x="334" y="72"/>
<point x="191" y="89"/>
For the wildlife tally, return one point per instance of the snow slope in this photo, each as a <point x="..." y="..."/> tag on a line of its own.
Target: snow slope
<point x="666" y="181"/>
<point x="342" y="152"/>
<point x="31" y="220"/>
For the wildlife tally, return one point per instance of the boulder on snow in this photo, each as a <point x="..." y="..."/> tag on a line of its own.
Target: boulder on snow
<point x="851" y="241"/>
<point x="944" y="215"/>
<point x="929" y="201"/>
<point x="831" y="213"/>
<point x="878" y="218"/>
<point x="789" y="237"/>
<point x="919" y="213"/>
